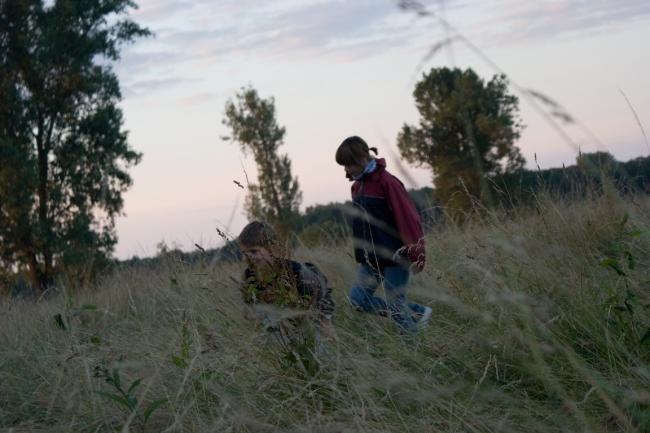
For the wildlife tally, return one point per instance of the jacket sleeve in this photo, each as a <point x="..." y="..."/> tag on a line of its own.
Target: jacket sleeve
<point x="407" y="219"/>
<point x="326" y="304"/>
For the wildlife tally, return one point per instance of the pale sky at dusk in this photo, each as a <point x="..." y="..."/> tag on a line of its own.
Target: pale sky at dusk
<point x="338" y="68"/>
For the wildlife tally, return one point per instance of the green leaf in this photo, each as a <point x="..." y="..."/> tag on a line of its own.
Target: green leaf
<point x="86" y="307"/>
<point x="646" y="337"/>
<point x="58" y="319"/>
<point x="613" y="264"/>
<point x="635" y="233"/>
<point x="628" y="307"/>
<point x="116" y="379"/>
<point x="96" y="340"/>
<point x="179" y="362"/>
<point x="134" y="385"/>
<point x="116" y="398"/>
<point x="626" y="218"/>
<point x="152" y="407"/>
<point x="133" y="402"/>
<point x="631" y="263"/>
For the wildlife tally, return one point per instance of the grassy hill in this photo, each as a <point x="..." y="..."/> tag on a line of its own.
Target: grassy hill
<point x="540" y="324"/>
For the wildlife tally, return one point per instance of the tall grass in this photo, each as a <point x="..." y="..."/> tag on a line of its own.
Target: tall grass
<point x="539" y="325"/>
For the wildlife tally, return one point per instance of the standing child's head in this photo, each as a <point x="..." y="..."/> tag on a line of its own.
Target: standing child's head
<point x="259" y="244"/>
<point x="354" y="154"/>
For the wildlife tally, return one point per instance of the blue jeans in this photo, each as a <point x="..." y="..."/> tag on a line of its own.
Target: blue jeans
<point x="362" y="294"/>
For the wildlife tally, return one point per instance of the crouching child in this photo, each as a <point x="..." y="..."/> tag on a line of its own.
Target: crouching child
<point x="287" y="297"/>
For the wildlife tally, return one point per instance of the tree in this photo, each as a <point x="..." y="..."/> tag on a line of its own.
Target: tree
<point x="64" y="153"/>
<point x="466" y="133"/>
<point x="276" y="197"/>
<point x="595" y="163"/>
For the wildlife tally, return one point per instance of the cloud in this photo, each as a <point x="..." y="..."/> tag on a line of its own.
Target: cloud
<point x="206" y="30"/>
<point x="152" y="10"/>
<point x="194" y="34"/>
<point x="137" y="63"/>
<point x="200" y="98"/>
<point x="518" y="20"/>
<point x="146" y="87"/>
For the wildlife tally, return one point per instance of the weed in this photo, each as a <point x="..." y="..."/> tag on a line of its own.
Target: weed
<point x="126" y="399"/>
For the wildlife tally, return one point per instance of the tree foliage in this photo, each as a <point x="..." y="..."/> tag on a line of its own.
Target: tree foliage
<point x="466" y="133"/>
<point x="276" y="196"/>
<point x="590" y="175"/>
<point x="64" y="153"/>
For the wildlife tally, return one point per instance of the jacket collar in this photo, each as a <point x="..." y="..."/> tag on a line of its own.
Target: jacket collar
<point x="379" y="166"/>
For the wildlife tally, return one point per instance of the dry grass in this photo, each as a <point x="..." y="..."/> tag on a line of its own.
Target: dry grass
<point x="537" y="327"/>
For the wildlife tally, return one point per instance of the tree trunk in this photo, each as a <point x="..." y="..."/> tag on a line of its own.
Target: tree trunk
<point x="37" y="278"/>
<point x="44" y="276"/>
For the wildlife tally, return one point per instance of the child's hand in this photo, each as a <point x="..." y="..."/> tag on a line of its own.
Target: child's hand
<point x="417" y="267"/>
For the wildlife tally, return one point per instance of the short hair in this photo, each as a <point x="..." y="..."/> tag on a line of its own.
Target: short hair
<point x="353" y="150"/>
<point x="258" y="234"/>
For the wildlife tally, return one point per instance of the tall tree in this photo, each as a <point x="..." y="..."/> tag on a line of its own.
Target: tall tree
<point x="466" y="133"/>
<point x="64" y="153"/>
<point x="276" y="197"/>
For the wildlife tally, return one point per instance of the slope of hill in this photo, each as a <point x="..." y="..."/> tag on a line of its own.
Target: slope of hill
<point x="540" y="325"/>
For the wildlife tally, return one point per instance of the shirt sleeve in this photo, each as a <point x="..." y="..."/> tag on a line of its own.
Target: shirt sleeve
<point x="317" y="284"/>
<point x="248" y="288"/>
<point x="407" y="219"/>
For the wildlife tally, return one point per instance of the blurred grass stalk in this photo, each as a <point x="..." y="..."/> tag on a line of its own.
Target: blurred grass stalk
<point x="540" y="325"/>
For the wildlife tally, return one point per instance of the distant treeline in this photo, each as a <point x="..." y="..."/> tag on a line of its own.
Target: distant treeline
<point x="585" y="176"/>
<point x="328" y="223"/>
<point x="317" y="225"/>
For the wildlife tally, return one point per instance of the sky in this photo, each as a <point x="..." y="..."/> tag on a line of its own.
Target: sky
<point x="337" y="68"/>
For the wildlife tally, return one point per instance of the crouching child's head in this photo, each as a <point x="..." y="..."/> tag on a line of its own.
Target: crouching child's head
<point x="260" y="246"/>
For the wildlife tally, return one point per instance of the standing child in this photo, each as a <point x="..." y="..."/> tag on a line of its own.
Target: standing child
<point x="272" y="279"/>
<point x="387" y="236"/>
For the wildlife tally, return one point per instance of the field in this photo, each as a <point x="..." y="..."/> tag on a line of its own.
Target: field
<point x="540" y="324"/>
